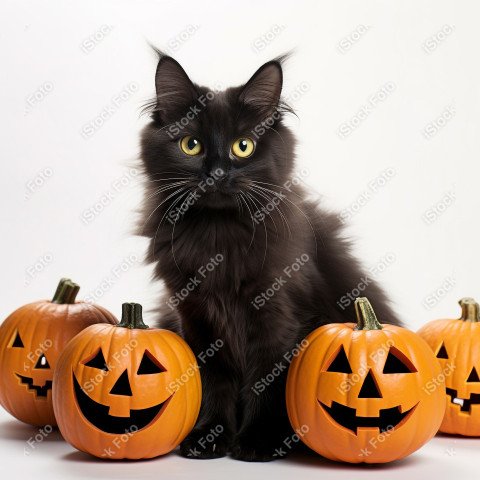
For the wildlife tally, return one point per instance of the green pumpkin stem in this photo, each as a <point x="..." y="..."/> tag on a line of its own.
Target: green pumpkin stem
<point x="132" y="316"/>
<point x="66" y="292"/>
<point x="470" y="310"/>
<point x="366" y="318"/>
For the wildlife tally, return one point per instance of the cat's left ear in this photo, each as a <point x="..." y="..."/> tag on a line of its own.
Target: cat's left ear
<point x="262" y="91"/>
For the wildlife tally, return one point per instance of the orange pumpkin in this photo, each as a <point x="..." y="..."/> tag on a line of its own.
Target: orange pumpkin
<point x="126" y="391"/>
<point x="31" y="340"/>
<point x="357" y="393"/>
<point x="456" y="343"/>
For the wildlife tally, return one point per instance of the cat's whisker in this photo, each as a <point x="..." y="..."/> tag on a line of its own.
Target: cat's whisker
<point x="164" y="189"/>
<point x="281" y="138"/>
<point x="162" y="186"/>
<point x="169" y="179"/>
<point x="283" y="198"/>
<point x="264" y="207"/>
<point x="278" y="186"/>
<point x="279" y="195"/>
<point x="177" y="171"/>
<point x="170" y="124"/>
<point x="266" y="235"/>
<point x="283" y="216"/>
<point x="277" y="208"/>
<point x="181" y="194"/>
<point x="251" y="218"/>
<point x="172" y="205"/>
<point x="284" y="220"/>
<point x="239" y="205"/>
<point x="159" y="205"/>
<point x="173" y="232"/>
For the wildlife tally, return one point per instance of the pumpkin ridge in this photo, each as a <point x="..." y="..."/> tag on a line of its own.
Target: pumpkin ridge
<point x="180" y="433"/>
<point x="188" y="354"/>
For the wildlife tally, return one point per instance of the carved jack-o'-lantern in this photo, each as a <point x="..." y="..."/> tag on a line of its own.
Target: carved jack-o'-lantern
<point x="456" y="343"/>
<point x="357" y="392"/>
<point x="126" y="391"/>
<point x="31" y="340"/>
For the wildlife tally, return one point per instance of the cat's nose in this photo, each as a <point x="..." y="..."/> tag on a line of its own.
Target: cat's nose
<point x="215" y="179"/>
<point x="218" y="175"/>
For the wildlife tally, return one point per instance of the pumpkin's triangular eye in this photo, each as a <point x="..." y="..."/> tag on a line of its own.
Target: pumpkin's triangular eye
<point x="397" y="362"/>
<point x="149" y="365"/>
<point x="17" y="341"/>
<point x="442" y="352"/>
<point x="340" y="363"/>
<point x="97" y="360"/>
<point x="473" y="377"/>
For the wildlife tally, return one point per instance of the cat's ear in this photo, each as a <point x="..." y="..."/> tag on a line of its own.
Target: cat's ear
<point x="262" y="91"/>
<point x="175" y="91"/>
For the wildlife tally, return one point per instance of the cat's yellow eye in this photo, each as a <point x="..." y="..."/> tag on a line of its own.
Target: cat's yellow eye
<point x="243" y="147"/>
<point x="191" y="145"/>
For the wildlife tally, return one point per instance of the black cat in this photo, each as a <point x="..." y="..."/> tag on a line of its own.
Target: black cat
<point x="250" y="266"/>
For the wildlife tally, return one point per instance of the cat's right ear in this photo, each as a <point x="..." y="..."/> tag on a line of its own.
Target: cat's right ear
<point x="175" y="91"/>
<point x="262" y="91"/>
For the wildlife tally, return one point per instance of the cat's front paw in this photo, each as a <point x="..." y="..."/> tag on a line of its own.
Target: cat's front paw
<point x="256" y="448"/>
<point x="205" y="443"/>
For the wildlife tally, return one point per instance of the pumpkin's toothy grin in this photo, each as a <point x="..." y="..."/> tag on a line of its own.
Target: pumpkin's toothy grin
<point x="40" y="391"/>
<point x="465" y="404"/>
<point x="347" y="417"/>
<point x="97" y="414"/>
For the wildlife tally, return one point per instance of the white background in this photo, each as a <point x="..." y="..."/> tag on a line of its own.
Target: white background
<point x="63" y="63"/>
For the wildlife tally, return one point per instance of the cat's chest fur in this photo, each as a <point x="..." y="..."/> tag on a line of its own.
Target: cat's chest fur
<point x="210" y="271"/>
<point x="204" y="252"/>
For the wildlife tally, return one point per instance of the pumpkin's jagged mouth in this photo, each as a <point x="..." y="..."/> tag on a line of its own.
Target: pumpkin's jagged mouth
<point x="97" y="414"/>
<point x="40" y="391"/>
<point x="388" y="419"/>
<point x="465" y="404"/>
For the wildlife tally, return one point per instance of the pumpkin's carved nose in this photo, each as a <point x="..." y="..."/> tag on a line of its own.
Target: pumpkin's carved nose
<point x="369" y="388"/>
<point x="122" y="385"/>
<point x="42" y="362"/>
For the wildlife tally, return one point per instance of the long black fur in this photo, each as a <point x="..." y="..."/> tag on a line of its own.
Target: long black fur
<point x="226" y="220"/>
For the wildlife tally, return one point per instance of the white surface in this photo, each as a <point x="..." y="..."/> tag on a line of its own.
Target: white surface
<point x="41" y="45"/>
<point x="444" y="457"/>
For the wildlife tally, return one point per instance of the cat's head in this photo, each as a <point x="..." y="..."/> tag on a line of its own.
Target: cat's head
<point x="216" y="149"/>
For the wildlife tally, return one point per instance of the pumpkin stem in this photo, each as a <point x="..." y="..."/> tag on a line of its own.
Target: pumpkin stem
<point x="366" y="318"/>
<point x="132" y="316"/>
<point x="470" y="310"/>
<point x="66" y="291"/>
